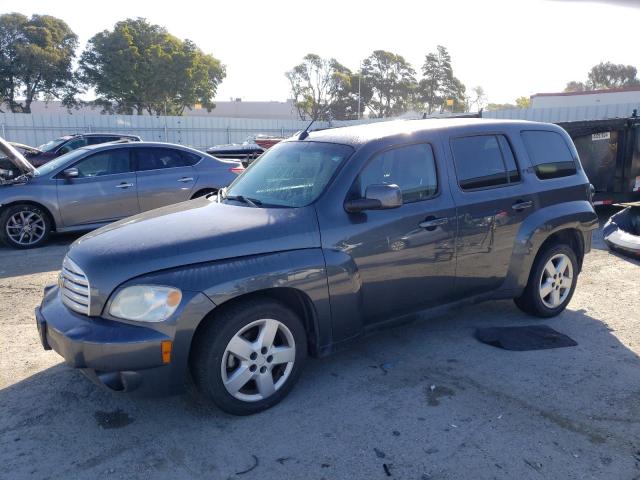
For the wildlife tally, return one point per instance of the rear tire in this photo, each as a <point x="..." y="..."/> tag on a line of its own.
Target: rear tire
<point x="249" y="356"/>
<point x="552" y="281"/>
<point x="24" y="226"/>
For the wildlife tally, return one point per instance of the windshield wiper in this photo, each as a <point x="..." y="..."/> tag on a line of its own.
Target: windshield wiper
<point x="241" y="198"/>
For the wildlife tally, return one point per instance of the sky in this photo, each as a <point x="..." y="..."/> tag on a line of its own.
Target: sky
<point x="509" y="47"/>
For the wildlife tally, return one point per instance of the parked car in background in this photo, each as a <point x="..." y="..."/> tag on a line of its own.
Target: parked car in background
<point x="328" y="236"/>
<point x="68" y="143"/>
<point x="94" y="185"/>
<point x="248" y="151"/>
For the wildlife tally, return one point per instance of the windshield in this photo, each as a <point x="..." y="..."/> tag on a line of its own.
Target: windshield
<point x="291" y="174"/>
<point x="49" y="167"/>
<point x="52" y="144"/>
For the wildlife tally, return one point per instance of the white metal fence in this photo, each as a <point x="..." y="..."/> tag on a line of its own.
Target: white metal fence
<point x="565" y="114"/>
<point x="203" y="132"/>
<point x="198" y="132"/>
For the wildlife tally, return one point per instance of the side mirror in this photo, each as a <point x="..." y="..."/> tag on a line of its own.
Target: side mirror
<point x="377" y="197"/>
<point x="71" y="173"/>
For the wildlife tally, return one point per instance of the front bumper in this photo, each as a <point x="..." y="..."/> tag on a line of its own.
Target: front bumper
<point x="118" y="355"/>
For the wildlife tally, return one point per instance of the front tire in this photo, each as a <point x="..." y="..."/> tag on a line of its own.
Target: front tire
<point x="552" y="282"/>
<point x="24" y="226"/>
<point x="249" y="356"/>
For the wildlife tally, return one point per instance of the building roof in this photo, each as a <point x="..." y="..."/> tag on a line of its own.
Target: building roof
<point x="588" y="92"/>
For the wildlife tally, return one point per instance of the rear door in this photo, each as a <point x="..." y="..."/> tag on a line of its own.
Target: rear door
<point x="492" y="201"/>
<point x="104" y="191"/>
<point x="165" y="176"/>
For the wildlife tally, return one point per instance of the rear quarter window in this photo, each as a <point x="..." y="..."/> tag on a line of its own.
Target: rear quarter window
<point x="549" y="153"/>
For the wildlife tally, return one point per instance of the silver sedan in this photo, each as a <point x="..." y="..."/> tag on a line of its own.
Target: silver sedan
<point x="96" y="185"/>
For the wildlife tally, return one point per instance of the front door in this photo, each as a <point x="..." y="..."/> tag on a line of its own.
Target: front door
<point x="492" y="202"/>
<point x="165" y="176"/>
<point x="405" y="257"/>
<point x="104" y="191"/>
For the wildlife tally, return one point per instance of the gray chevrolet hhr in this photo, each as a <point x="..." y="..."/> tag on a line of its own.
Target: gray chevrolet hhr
<point x="329" y="235"/>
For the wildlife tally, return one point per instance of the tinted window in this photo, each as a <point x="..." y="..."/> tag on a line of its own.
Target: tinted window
<point x="484" y="161"/>
<point x="97" y="140"/>
<point x="549" y="154"/>
<point x="104" y="163"/>
<point x="412" y="168"/>
<point x="159" y="158"/>
<point x="291" y="174"/>
<point x="72" y="145"/>
<point x="190" y="158"/>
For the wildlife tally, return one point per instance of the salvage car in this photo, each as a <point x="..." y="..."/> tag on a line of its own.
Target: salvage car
<point x="67" y="143"/>
<point x="92" y="186"/>
<point x="300" y="255"/>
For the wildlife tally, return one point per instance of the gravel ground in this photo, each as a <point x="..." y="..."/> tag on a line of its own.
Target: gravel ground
<point x="423" y="401"/>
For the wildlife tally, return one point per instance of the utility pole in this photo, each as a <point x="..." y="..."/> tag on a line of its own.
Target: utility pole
<point x="359" y="96"/>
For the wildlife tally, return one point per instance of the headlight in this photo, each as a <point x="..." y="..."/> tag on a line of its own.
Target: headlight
<point x="145" y="303"/>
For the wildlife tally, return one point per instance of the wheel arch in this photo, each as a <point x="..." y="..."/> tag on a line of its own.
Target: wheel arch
<point x="295" y="299"/>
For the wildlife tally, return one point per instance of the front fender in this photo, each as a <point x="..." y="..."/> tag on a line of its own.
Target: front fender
<point x="303" y="270"/>
<point x="539" y="226"/>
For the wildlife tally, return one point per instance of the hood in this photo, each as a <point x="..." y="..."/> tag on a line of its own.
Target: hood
<point x="187" y="233"/>
<point x="15" y="157"/>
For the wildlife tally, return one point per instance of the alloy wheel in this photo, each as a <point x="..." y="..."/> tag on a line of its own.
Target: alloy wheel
<point x="258" y="360"/>
<point x="556" y="281"/>
<point x="26" y="227"/>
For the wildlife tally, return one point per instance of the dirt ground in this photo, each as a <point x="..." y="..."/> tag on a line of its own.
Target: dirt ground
<point x="423" y="401"/>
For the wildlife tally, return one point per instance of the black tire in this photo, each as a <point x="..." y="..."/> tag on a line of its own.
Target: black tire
<point x="203" y="192"/>
<point x="209" y="349"/>
<point x="27" y="209"/>
<point x="531" y="300"/>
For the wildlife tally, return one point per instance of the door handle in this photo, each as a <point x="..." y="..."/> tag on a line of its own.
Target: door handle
<point x="185" y="179"/>
<point x="432" y="223"/>
<point x="124" y="185"/>
<point x="520" y="205"/>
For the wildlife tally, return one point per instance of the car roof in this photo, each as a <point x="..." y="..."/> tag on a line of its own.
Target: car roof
<point x="116" y="144"/>
<point x="100" y="134"/>
<point x="357" y="135"/>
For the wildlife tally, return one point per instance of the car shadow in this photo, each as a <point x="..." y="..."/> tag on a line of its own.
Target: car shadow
<point x="424" y="397"/>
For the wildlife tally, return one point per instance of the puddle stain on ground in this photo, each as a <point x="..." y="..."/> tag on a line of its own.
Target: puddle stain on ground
<point x="115" y="419"/>
<point x="435" y="393"/>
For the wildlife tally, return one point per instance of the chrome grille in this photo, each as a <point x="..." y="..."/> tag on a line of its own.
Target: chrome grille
<point x="74" y="287"/>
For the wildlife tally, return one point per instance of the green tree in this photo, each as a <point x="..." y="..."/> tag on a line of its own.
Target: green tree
<point x="523" y="102"/>
<point x="138" y="67"/>
<point x="574" y="86"/>
<point x="609" y="75"/>
<point x="36" y="56"/>
<point x="500" y="106"/>
<point x="321" y="88"/>
<point x="604" y="76"/>
<point x="439" y="84"/>
<point x="391" y="82"/>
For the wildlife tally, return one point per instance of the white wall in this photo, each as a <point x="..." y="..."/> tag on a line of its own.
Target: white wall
<point x="199" y="132"/>
<point x="585" y="100"/>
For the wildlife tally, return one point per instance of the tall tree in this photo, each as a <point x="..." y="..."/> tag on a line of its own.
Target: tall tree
<point x="523" y="102"/>
<point x="138" y="67"/>
<point x="36" y="56"/>
<point x="392" y="83"/>
<point x="321" y="88"/>
<point x="609" y="75"/>
<point x="606" y="75"/>
<point x="479" y="98"/>
<point x="439" y="84"/>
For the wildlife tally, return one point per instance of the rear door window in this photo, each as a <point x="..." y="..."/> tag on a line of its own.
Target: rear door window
<point x="161" y="158"/>
<point x="484" y="161"/>
<point x="549" y="154"/>
<point x="411" y="167"/>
